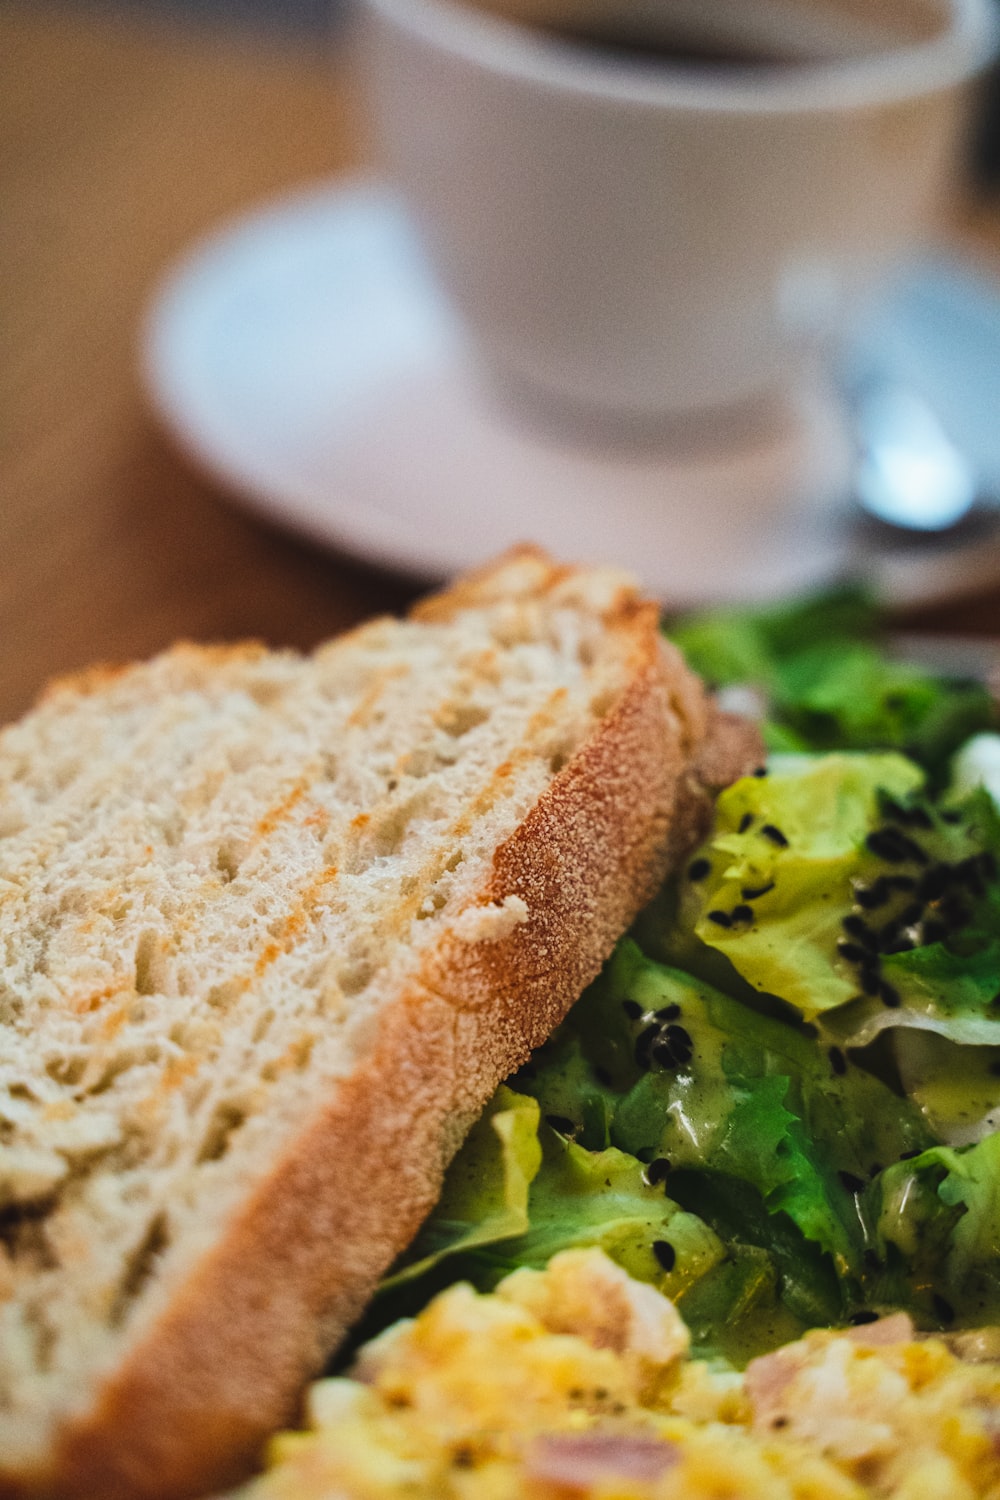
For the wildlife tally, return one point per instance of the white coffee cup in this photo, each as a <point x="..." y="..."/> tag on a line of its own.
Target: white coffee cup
<point x="648" y="239"/>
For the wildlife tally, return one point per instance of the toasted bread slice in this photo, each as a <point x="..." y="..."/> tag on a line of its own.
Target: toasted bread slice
<point x="272" y="929"/>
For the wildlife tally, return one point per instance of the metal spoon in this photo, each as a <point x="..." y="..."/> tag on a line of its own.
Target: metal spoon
<point x="910" y="475"/>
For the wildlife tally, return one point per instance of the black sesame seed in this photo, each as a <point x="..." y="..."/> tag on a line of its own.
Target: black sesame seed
<point x="850" y="1183"/>
<point x="632" y="1009"/>
<point x="561" y="1124"/>
<point x="910" y="914"/>
<point x="720" y="918"/>
<point x="862" y="1316"/>
<point x="934" y="884"/>
<point x="899" y="944"/>
<point x="888" y="934"/>
<point x="668" y="1013"/>
<point x="900" y="882"/>
<point x="874" y="895"/>
<point x="889" y="996"/>
<point x="919" y="817"/>
<point x="858" y="928"/>
<point x="680" y="1038"/>
<point x="870" y="982"/>
<point x="643" y="1042"/>
<point x="885" y="843"/>
<point x="663" y="1054"/>
<point x="699" y="869"/>
<point x="665" y="1254"/>
<point x="838" y="1062"/>
<point x="669" y="1054"/>
<point x="742" y="913"/>
<point x="760" y="771"/>
<point x="754" y="892"/>
<point x="775" y="835"/>
<point x="853" y="953"/>
<point x="894" y="847"/>
<point x="745" y="822"/>
<point x="657" y="1171"/>
<point x="914" y="851"/>
<point x="951" y="815"/>
<point x="943" y="1310"/>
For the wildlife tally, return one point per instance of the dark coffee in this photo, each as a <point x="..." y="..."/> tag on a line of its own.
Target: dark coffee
<point x="673" y="51"/>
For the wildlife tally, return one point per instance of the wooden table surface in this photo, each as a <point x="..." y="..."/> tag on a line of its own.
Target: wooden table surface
<point x="120" y="142"/>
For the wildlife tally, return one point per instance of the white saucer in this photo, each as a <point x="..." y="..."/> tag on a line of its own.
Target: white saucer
<point x="305" y="358"/>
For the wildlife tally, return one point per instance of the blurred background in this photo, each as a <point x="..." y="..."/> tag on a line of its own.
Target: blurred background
<point x="128" y="129"/>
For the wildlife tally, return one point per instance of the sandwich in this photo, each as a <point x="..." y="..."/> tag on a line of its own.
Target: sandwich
<point x="274" y="928"/>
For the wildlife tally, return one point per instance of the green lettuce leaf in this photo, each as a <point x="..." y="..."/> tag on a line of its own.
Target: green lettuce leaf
<point x="828" y="683"/>
<point x="938" y="1235"/>
<point x="838" y="888"/>
<point x="751" y="1126"/>
<point x="956" y="1086"/>
<point x="604" y="1199"/>
<point x="772" y="885"/>
<point x="485" y="1195"/>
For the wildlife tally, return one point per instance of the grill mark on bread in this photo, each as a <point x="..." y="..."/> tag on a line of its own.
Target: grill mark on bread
<point x="284" y="1090"/>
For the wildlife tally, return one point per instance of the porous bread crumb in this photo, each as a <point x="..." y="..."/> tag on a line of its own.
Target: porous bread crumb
<point x="490" y="923"/>
<point x="249" y="900"/>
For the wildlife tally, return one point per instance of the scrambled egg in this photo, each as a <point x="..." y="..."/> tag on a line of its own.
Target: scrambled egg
<point x="574" y="1384"/>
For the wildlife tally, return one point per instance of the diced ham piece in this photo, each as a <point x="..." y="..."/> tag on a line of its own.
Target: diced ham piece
<point x="577" y="1460"/>
<point x="896" y="1329"/>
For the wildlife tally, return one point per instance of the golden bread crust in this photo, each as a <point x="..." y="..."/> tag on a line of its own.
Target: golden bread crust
<point x="224" y="1363"/>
